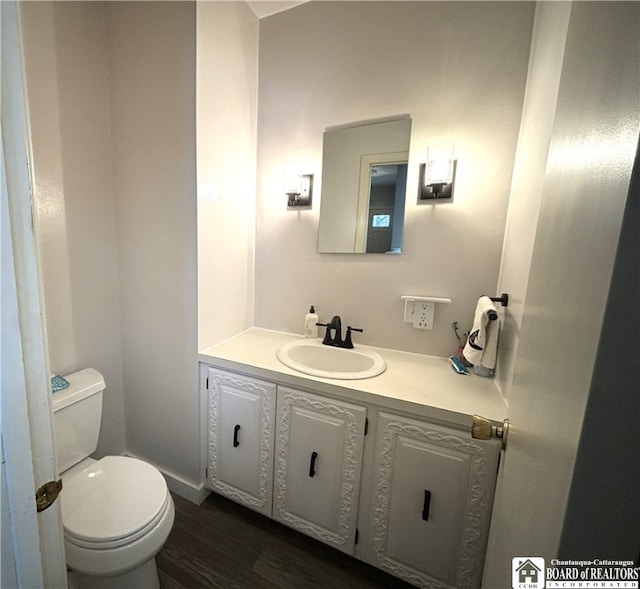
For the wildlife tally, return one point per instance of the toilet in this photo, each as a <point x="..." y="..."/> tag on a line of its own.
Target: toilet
<point x="117" y="511"/>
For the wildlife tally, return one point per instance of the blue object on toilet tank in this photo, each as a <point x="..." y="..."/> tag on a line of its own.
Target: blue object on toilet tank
<point x="58" y="383"/>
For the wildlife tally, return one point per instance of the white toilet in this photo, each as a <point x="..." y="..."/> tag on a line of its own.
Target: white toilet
<point x="117" y="512"/>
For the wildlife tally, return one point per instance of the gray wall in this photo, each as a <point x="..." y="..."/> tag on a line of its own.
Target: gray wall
<point x="67" y="82"/>
<point x="112" y="103"/>
<point x="459" y="69"/>
<point x="227" y="105"/>
<point x="151" y="49"/>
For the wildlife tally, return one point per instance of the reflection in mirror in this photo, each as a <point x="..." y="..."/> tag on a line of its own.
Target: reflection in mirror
<point x="364" y="176"/>
<point x="383" y="185"/>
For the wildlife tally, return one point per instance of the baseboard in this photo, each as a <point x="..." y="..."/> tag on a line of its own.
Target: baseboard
<point x="196" y="493"/>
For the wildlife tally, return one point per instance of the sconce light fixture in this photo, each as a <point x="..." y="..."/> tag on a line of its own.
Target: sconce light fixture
<point x="298" y="187"/>
<point x="437" y="175"/>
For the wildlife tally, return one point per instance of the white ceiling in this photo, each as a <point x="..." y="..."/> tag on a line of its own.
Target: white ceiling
<point x="262" y="8"/>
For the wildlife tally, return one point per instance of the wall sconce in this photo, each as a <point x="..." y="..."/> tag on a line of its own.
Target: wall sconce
<point x="438" y="174"/>
<point x="298" y="187"/>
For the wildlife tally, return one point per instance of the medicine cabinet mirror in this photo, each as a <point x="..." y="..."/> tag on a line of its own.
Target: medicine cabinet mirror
<point x="364" y="177"/>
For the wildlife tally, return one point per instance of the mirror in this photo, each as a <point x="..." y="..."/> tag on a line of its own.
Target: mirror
<point x="364" y="178"/>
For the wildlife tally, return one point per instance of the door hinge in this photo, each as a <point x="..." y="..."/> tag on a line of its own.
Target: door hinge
<point x="47" y="494"/>
<point x="357" y="536"/>
<point x="483" y="429"/>
<point x="207" y="386"/>
<point x="366" y="426"/>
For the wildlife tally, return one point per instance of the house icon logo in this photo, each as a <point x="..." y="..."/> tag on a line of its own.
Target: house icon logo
<point x="527" y="572"/>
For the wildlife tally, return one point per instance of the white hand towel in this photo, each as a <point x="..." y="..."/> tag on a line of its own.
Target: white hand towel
<point x="482" y="343"/>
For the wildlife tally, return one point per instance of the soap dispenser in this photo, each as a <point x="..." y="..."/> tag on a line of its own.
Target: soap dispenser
<point x="310" y="320"/>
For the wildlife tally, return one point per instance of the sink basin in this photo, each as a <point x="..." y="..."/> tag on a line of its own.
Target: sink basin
<point x="310" y="356"/>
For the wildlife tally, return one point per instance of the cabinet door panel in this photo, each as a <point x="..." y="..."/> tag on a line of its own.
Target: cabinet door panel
<point x="317" y="494"/>
<point x="428" y="485"/>
<point x="314" y="467"/>
<point x="241" y="414"/>
<point x="434" y="540"/>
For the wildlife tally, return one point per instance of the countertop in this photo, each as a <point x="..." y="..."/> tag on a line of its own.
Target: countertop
<point x="423" y="385"/>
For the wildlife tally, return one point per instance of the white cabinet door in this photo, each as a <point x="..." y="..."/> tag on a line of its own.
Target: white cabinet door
<point x="240" y="438"/>
<point x="433" y="492"/>
<point x="319" y="445"/>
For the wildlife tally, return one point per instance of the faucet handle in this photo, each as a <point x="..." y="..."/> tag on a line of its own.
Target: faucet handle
<point x="347" y="340"/>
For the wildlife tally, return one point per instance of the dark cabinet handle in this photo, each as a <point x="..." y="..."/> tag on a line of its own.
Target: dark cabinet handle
<point x="236" y="429"/>
<point x="312" y="464"/>
<point x="425" y="506"/>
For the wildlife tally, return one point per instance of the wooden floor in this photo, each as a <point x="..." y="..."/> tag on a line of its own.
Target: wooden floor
<point x="220" y="544"/>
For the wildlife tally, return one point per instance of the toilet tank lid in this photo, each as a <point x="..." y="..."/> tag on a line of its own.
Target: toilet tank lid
<point x="81" y="384"/>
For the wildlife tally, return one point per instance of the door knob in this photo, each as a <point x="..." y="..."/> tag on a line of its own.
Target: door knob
<point x="484" y="429"/>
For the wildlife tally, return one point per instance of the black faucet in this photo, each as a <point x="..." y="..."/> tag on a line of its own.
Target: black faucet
<point x="336" y="340"/>
<point x="336" y="327"/>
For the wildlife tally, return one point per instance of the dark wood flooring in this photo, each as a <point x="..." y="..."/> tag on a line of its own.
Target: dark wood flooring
<point x="220" y="544"/>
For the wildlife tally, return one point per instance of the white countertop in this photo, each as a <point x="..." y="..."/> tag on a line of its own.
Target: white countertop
<point x="420" y="384"/>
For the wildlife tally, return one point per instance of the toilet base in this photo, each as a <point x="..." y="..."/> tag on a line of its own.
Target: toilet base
<point x="144" y="577"/>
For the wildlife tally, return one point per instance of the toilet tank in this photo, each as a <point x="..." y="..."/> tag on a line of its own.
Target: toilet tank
<point x="77" y="411"/>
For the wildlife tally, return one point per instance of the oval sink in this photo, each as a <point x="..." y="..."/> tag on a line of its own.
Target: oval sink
<point x="310" y="356"/>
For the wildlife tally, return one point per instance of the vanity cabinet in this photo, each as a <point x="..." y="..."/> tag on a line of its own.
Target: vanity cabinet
<point x="430" y="498"/>
<point x="411" y="496"/>
<point x="241" y="413"/>
<point x="318" y="449"/>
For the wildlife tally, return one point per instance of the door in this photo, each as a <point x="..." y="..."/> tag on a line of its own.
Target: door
<point x="567" y="288"/>
<point x="319" y="443"/>
<point x="37" y="556"/>
<point x="433" y="492"/>
<point x="240" y="438"/>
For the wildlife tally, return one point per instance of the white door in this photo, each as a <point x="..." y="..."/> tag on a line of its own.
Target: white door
<point x="319" y="443"/>
<point x="432" y="492"/>
<point x="240" y="438"/>
<point x="37" y="555"/>
<point x="568" y="284"/>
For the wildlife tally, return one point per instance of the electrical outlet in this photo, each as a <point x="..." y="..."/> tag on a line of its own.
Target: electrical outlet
<point x="423" y="315"/>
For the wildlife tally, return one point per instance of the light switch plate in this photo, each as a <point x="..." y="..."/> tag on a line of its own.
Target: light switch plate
<point x="409" y="310"/>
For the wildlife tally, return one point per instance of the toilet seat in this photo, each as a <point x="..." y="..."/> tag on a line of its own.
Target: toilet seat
<point x="113" y="502"/>
<point x="116" y="515"/>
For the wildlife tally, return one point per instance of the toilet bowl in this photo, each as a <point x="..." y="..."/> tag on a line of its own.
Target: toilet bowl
<point x="117" y="511"/>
